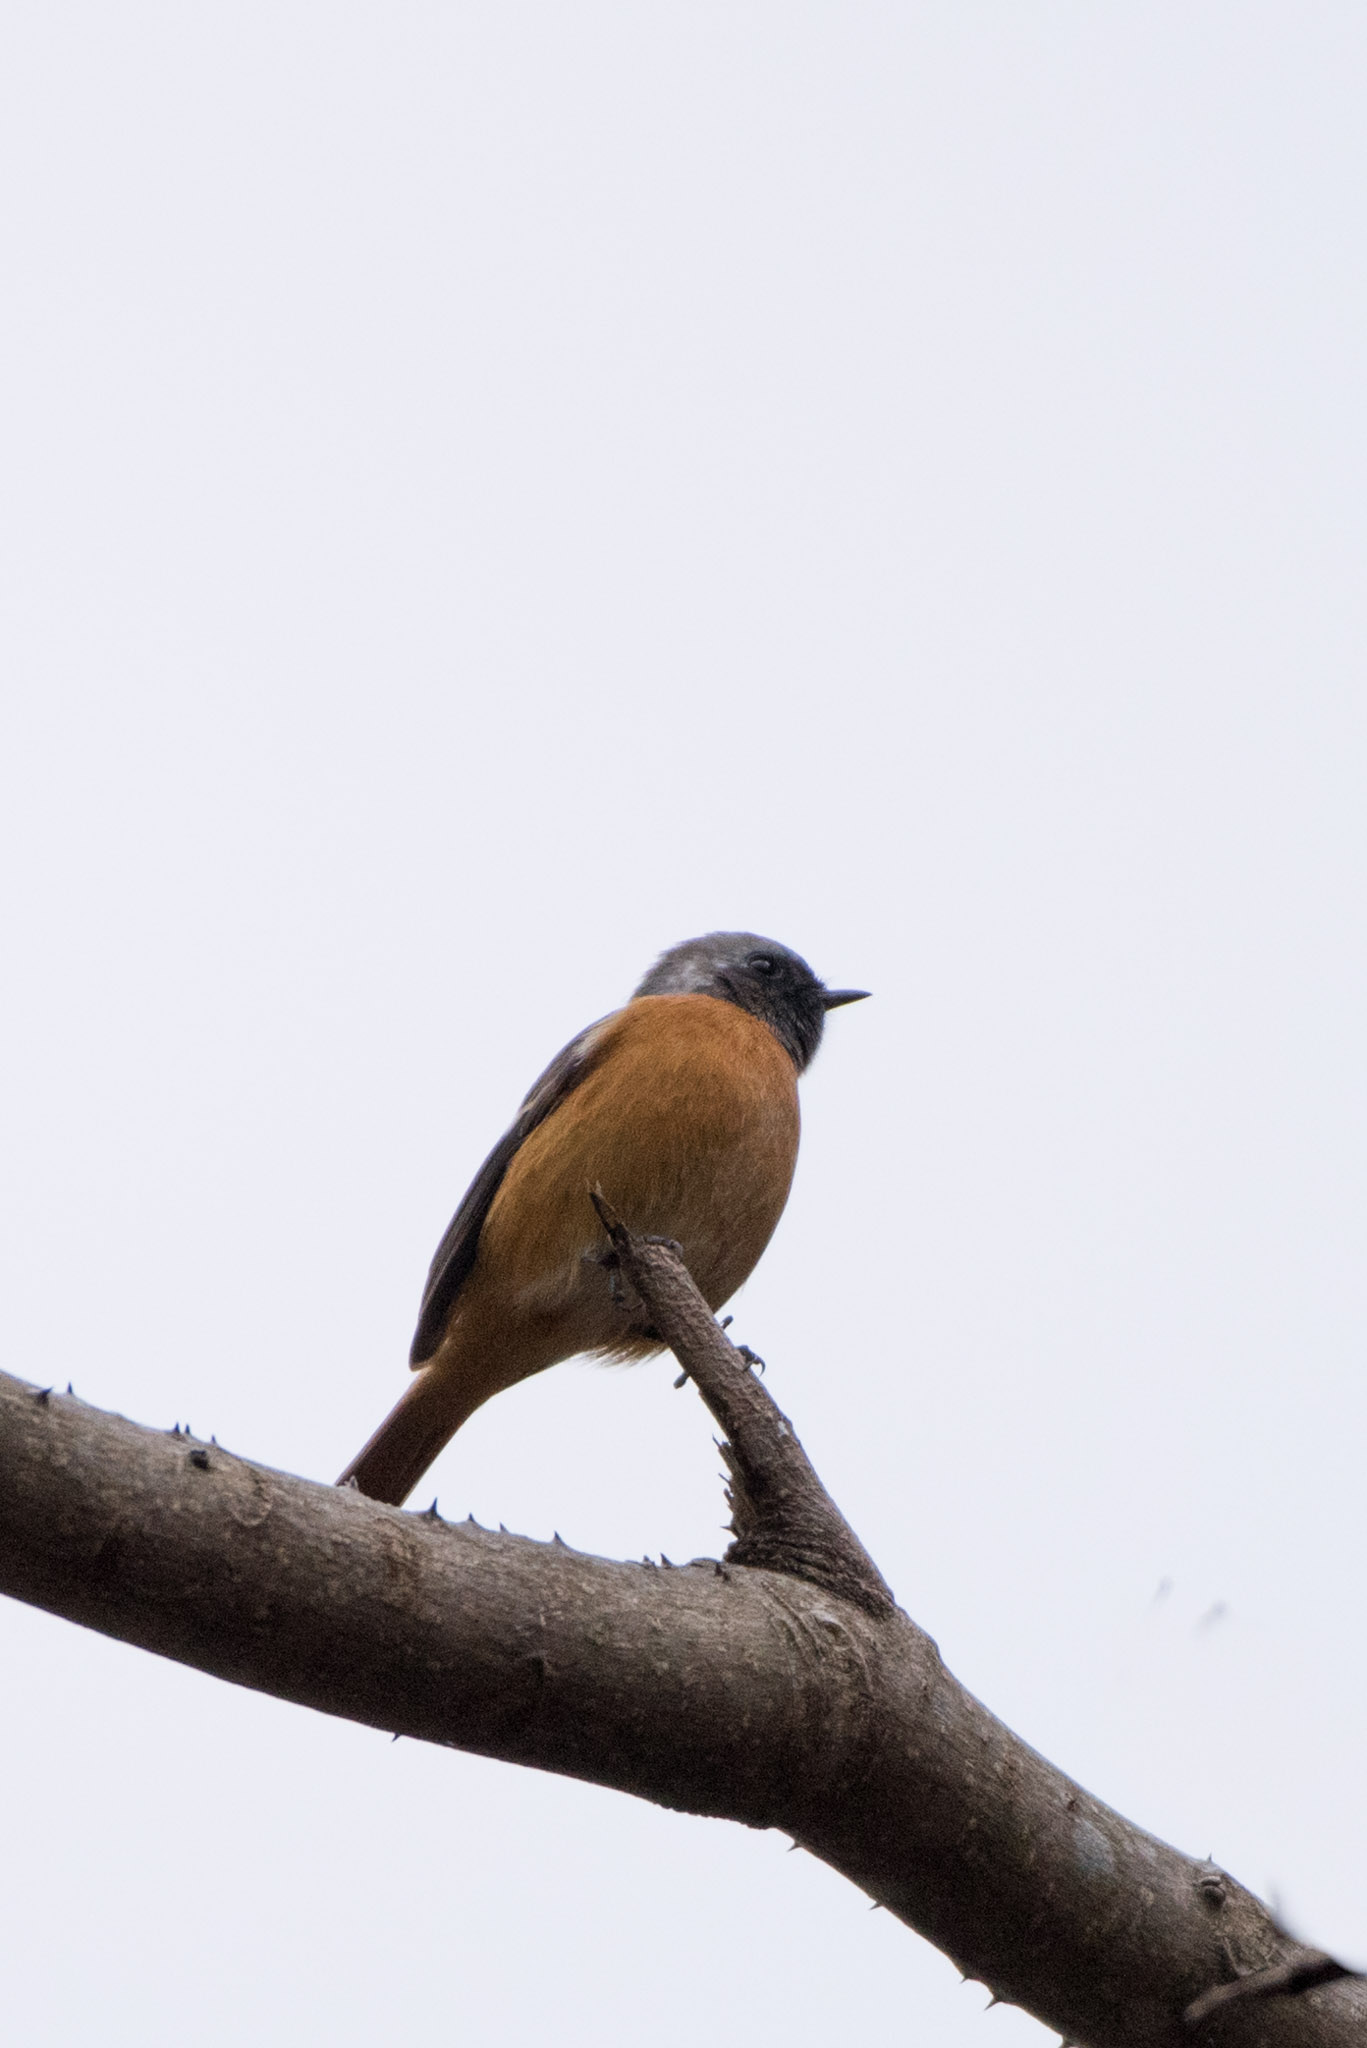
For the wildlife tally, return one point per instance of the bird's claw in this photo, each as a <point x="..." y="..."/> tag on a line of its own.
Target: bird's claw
<point x="752" y="1358"/>
<point x="607" y="1258"/>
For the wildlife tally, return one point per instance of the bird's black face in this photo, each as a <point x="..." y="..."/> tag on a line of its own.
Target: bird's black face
<point x="770" y="981"/>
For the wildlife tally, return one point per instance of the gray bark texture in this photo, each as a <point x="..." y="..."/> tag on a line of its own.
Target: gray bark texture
<point x="780" y="1686"/>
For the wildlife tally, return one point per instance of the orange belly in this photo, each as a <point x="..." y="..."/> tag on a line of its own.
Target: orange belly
<point x="688" y="1121"/>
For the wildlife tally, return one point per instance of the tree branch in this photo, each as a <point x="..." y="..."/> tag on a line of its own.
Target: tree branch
<point x="1301" y="1971"/>
<point x="781" y="1688"/>
<point x="782" y="1516"/>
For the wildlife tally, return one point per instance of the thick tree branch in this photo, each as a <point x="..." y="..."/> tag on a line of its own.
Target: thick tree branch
<point x="790" y="1694"/>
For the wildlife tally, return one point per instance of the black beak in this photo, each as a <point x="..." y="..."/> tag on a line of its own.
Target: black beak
<point x="833" y="998"/>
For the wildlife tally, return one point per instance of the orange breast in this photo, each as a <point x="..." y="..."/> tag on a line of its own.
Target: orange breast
<point x="688" y="1120"/>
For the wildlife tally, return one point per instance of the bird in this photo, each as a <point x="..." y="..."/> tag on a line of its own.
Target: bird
<point x="681" y="1108"/>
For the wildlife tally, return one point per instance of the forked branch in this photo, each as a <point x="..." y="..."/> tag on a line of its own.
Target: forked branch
<point x="780" y="1688"/>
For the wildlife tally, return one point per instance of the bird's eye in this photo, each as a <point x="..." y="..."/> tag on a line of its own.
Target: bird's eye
<point x="763" y="963"/>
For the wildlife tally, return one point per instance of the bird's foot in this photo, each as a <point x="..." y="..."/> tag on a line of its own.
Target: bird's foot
<point x="623" y="1294"/>
<point x="612" y="1266"/>
<point x="752" y="1358"/>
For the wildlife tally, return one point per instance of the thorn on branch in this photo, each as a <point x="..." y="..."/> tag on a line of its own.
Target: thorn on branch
<point x="42" y="1395"/>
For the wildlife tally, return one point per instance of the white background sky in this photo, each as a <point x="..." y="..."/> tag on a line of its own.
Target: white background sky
<point x="488" y="491"/>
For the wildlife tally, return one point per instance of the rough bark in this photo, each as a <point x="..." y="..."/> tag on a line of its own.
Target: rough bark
<point x="780" y="1687"/>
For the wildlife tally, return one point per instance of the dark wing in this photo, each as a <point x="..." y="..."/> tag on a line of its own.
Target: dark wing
<point x="455" y="1255"/>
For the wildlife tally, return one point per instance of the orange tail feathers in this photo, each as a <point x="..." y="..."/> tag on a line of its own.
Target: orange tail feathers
<point x="415" y="1430"/>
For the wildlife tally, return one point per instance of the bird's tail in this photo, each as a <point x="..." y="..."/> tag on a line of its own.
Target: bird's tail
<point x="415" y="1430"/>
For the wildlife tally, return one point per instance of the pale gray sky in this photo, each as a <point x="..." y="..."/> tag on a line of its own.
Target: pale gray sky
<point x="490" y="490"/>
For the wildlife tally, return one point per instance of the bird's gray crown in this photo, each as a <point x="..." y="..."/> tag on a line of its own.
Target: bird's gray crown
<point x="757" y="974"/>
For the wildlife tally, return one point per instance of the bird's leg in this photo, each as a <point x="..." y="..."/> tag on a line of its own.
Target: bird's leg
<point x="624" y="1295"/>
<point x="612" y="1266"/>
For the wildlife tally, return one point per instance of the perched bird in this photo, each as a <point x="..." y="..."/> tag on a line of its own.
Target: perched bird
<point x="682" y="1108"/>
